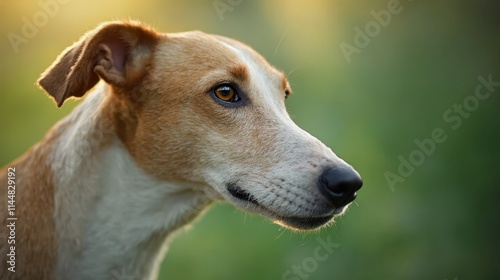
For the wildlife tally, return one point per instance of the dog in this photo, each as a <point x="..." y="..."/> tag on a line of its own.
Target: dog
<point x="171" y="123"/>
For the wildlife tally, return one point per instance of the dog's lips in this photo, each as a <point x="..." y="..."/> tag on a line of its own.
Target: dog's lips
<point x="241" y="194"/>
<point x="294" y="222"/>
<point x="306" y="223"/>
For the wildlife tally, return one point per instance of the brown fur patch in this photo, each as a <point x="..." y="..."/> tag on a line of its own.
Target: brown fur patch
<point x="284" y="84"/>
<point x="179" y="113"/>
<point x="240" y="72"/>
<point x="177" y="122"/>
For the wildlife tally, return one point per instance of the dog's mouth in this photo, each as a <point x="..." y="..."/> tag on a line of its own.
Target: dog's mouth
<point x="294" y="222"/>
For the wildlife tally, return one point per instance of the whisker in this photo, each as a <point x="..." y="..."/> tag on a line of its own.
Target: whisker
<point x="279" y="43"/>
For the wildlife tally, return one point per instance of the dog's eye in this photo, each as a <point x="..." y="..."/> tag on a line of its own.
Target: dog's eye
<point x="287" y="93"/>
<point x="226" y="93"/>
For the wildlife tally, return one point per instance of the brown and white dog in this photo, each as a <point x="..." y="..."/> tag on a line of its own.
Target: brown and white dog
<point x="177" y="122"/>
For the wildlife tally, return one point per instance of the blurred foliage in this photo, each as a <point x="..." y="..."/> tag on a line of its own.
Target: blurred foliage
<point x="440" y="223"/>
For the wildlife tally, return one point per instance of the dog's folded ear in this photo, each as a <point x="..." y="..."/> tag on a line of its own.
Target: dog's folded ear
<point x="117" y="52"/>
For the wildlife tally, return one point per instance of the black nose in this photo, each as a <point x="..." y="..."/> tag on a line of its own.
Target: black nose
<point x="339" y="185"/>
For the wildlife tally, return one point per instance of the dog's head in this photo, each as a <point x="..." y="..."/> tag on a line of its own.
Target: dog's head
<point x="210" y="110"/>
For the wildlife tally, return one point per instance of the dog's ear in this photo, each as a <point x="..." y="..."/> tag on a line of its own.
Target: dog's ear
<point x="117" y="52"/>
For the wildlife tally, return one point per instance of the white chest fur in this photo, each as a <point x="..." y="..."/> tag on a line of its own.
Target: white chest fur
<point x="112" y="218"/>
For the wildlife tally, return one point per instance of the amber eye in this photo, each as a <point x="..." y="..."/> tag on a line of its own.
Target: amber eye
<point x="226" y="93"/>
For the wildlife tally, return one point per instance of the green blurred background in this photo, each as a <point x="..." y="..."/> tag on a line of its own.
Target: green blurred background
<point x="440" y="223"/>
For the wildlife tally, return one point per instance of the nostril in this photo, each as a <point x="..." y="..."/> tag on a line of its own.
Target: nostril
<point x="339" y="185"/>
<point x="338" y="189"/>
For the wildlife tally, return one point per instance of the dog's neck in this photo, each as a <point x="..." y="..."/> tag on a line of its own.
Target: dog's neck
<point x="113" y="219"/>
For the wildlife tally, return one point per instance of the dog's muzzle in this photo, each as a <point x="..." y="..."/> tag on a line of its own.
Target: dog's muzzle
<point x="337" y="185"/>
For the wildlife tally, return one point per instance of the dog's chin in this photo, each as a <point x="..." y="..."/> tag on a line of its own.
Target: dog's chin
<point x="307" y="223"/>
<point x="248" y="202"/>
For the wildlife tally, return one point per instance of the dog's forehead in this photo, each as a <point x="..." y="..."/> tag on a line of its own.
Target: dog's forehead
<point x="215" y="52"/>
<point x="253" y="59"/>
